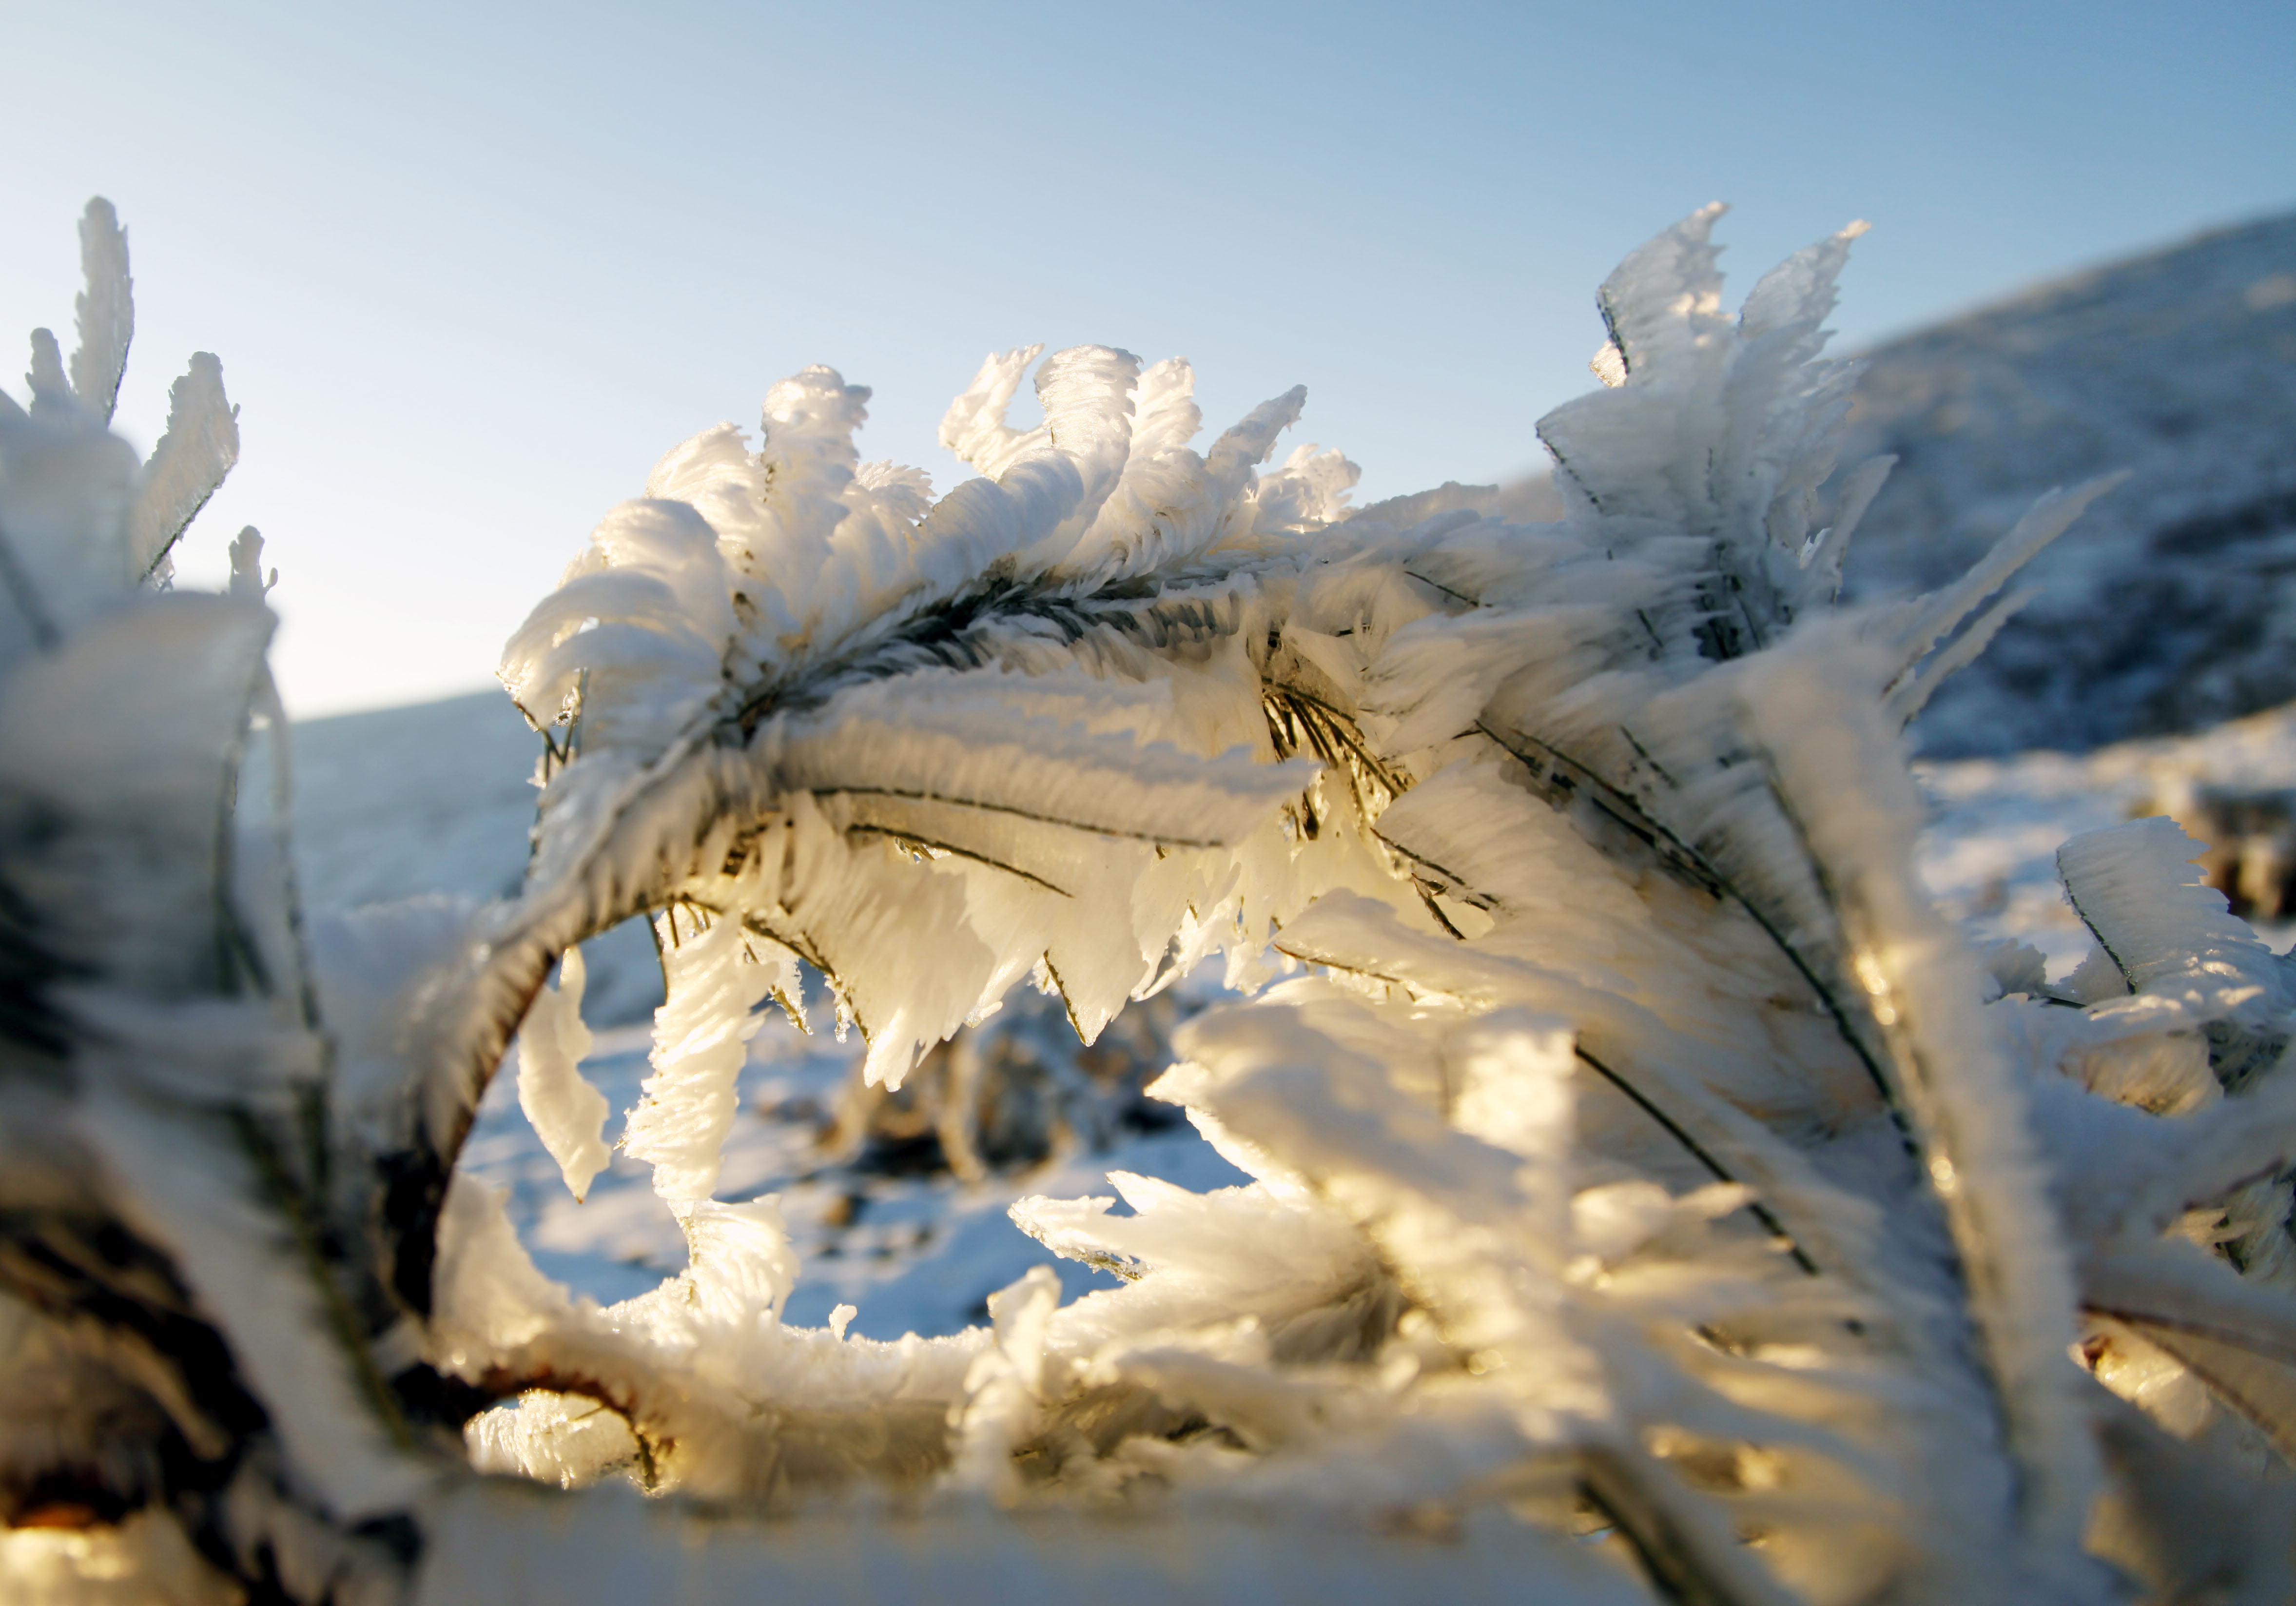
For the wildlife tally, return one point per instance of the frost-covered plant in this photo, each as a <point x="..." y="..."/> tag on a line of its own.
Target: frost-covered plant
<point x="1651" y="1194"/>
<point x="189" y="1314"/>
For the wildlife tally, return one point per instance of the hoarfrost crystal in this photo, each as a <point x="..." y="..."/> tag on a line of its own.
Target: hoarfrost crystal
<point x="1634" y="1154"/>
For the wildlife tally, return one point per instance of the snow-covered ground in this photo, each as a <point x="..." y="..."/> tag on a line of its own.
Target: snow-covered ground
<point x="912" y="1253"/>
<point x="431" y="800"/>
<point x="1990" y="851"/>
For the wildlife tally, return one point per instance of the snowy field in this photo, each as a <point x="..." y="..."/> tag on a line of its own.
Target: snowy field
<point x="435" y="799"/>
<point x="911" y="1253"/>
<point x="1990" y="853"/>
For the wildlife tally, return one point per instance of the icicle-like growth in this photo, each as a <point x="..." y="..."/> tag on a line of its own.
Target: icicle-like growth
<point x="566" y="1112"/>
<point x="1634" y="1155"/>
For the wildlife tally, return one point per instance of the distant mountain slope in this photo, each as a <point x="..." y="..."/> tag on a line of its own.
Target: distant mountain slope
<point x="2172" y="604"/>
<point x="437" y="799"/>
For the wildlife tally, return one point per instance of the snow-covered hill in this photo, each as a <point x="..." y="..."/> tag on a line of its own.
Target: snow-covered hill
<point x="435" y="799"/>
<point x="2172" y="604"/>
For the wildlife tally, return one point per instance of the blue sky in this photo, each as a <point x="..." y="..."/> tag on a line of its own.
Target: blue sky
<point x="471" y="268"/>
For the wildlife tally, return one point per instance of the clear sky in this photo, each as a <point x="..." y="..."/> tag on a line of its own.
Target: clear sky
<point x="471" y="268"/>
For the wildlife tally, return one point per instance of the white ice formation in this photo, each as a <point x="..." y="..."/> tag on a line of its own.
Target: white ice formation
<point x="1653" y="1196"/>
